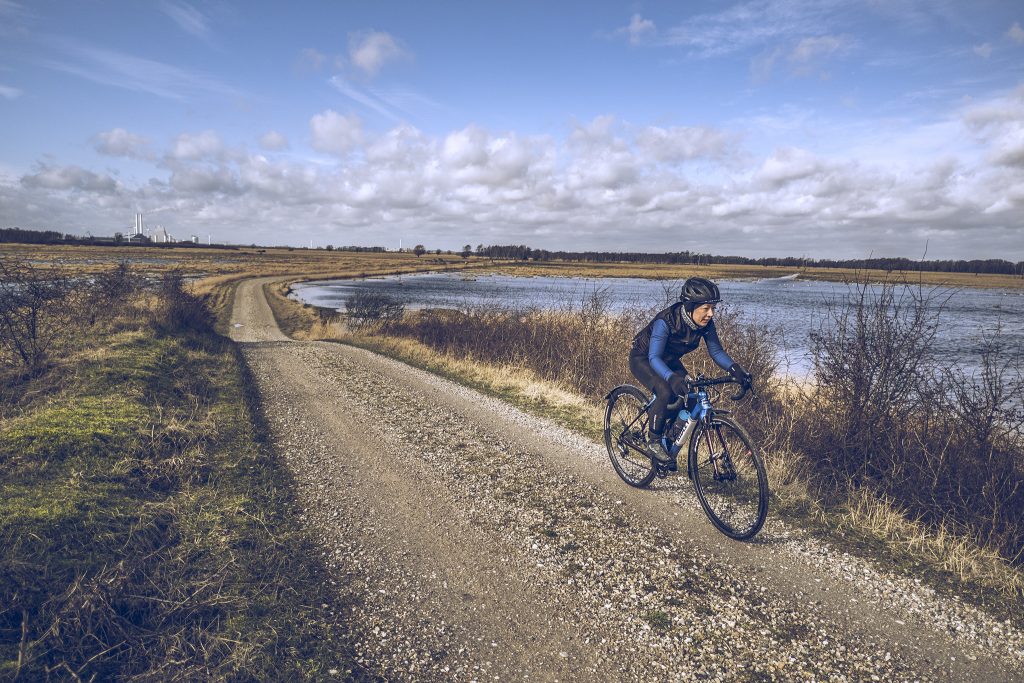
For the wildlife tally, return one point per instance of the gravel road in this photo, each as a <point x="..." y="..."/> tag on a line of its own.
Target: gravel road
<point x="480" y="543"/>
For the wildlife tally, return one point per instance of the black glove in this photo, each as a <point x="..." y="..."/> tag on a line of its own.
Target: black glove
<point x="680" y="384"/>
<point x="740" y="375"/>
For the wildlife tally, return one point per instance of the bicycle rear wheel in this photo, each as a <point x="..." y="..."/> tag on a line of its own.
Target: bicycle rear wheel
<point x="625" y="435"/>
<point x="729" y="478"/>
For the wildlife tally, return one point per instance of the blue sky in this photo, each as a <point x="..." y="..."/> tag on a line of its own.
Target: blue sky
<point x="768" y="127"/>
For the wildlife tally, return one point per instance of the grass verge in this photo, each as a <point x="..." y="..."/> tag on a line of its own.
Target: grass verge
<point x="149" y="533"/>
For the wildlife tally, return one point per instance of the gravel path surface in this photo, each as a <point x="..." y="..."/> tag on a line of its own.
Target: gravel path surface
<point x="477" y="542"/>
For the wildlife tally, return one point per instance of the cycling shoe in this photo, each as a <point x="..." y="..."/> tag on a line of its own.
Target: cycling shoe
<point x="661" y="457"/>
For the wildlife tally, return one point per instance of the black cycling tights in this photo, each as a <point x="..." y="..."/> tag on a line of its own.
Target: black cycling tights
<point x="642" y="370"/>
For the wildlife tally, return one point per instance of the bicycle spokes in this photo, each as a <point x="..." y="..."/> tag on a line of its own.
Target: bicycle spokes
<point x="625" y="435"/>
<point x="720" y="459"/>
<point x="730" y="479"/>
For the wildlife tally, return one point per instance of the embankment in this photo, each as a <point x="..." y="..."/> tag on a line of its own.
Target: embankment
<point x="148" y="531"/>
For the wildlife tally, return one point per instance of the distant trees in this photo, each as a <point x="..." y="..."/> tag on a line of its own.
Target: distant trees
<point x="467" y="251"/>
<point x="522" y="252"/>
<point x="23" y="236"/>
<point x="419" y="250"/>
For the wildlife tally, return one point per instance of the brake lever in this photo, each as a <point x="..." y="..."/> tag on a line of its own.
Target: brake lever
<point x="744" y="388"/>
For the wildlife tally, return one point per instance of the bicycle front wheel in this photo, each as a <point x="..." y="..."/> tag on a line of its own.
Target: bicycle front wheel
<point x="625" y="435"/>
<point x="729" y="478"/>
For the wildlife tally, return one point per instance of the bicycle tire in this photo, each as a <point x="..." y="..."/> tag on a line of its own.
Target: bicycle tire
<point x="734" y="494"/>
<point x="625" y="434"/>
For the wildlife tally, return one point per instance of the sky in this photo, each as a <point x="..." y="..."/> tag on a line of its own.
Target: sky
<point x="824" y="129"/>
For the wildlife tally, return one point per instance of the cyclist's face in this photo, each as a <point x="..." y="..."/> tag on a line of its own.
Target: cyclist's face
<point x="702" y="314"/>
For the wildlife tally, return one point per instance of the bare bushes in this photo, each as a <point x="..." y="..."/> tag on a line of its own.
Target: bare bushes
<point x="581" y="345"/>
<point x="34" y="313"/>
<point x="113" y="294"/>
<point x="365" y="308"/>
<point x="43" y="310"/>
<point x="888" y="415"/>
<point x="178" y="310"/>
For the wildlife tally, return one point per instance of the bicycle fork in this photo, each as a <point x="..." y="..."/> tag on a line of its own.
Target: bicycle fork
<point x="721" y="463"/>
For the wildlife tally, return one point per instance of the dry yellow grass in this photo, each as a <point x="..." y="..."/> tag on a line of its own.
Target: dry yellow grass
<point x="880" y="518"/>
<point x="725" y="272"/>
<point x="217" y="272"/>
<point x="519" y="385"/>
<point x="218" y="268"/>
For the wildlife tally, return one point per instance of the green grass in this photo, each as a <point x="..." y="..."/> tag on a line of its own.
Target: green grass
<point x="658" y="620"/>
<point x="148" y="530"/>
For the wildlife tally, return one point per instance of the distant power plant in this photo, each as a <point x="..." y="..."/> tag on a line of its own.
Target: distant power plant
<point x="157" y="236"/>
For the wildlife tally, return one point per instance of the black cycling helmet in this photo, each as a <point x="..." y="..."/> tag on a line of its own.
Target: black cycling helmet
<point x="698" y="291"/>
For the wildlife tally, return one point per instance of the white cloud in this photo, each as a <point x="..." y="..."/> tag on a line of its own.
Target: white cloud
<point x="70" y="178"/>
<point x="370" y="51"/>
<point x="681" y="143"/>
<point x="121" y="143"/>
<point x="984" y="50"/>
<point x="466" y="147"/>
<point x="9" y="93"/>
<point x="787" y="165"/>
<point x="193" y="147"/>
<point x="999" y="124"/>
<point x="1016" y="33"/>
<point x="638" y="29"/>
<point x="403" y="144"/>
<point x="272" y="140"/>
<point x="475" y="157"/>
<point x="187" y="17"/>
<point x="204" y="180"/>
<point x="334" y="133"/>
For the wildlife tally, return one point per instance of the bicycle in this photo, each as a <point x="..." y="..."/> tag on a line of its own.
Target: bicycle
<point x="722" y="460"/>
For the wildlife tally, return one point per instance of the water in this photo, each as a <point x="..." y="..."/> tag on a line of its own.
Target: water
<point x="797" y="307"/>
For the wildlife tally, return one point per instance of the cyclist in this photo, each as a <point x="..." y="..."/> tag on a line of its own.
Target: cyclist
<point x="655" y="358"/>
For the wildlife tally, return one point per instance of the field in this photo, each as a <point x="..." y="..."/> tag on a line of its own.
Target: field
<point x="218" y="268"/>
<point x="742" y="272"/>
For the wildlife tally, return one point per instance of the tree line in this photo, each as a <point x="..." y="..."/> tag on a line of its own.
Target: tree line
<point x="521" y="252"/>
<point x="524" y="253"/>
<point x="22" y="236"/>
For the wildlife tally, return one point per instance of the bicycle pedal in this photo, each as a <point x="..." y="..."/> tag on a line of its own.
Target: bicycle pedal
<point x="663" y="469"/>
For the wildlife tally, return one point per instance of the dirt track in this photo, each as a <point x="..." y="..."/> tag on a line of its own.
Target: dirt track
<point x="480" y="543"/>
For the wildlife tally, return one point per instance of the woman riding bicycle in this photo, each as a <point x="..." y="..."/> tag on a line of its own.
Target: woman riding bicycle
<point x="655" y="358"/>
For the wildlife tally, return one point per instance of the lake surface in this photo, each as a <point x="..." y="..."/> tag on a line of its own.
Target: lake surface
<point x="799" y="306"/>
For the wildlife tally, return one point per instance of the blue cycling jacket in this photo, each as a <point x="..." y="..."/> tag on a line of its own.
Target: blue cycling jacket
<point x="671" y="335"/>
